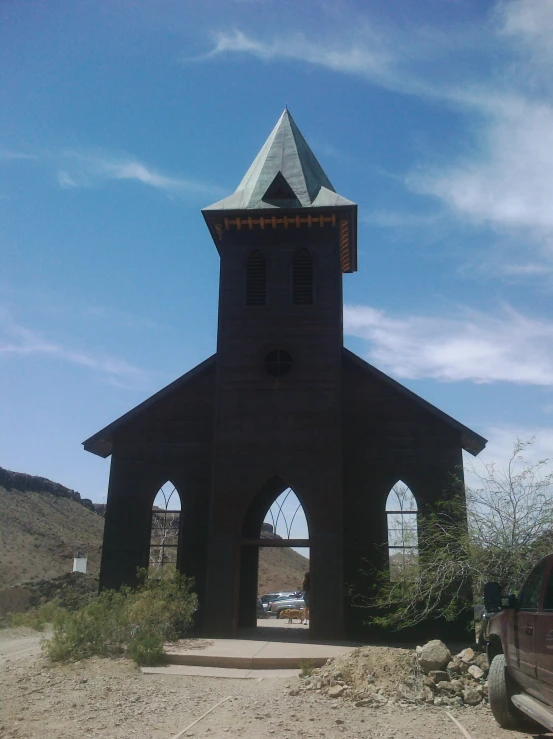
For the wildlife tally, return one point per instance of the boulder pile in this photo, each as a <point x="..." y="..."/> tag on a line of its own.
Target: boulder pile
<point x="448" y="679"/>
<point x="379" y="676"/>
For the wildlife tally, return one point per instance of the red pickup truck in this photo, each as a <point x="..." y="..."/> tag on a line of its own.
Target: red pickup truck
<point x="519" y="643"/>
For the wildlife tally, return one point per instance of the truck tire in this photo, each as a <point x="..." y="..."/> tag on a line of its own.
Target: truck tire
<point x="500" y="690"/>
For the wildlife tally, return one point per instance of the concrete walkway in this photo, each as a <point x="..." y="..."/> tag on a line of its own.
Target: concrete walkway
<point x="270" y="647"/>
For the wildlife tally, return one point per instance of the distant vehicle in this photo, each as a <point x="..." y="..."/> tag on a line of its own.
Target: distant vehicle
<point x="519" y="644"/>
<point x="260" y="611"/>
<point x="281" y="604"/>
<point x="269" y="598"/>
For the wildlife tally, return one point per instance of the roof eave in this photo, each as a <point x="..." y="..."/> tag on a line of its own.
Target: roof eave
<point x="101" y="443"/>
<point x="471" y="442"/>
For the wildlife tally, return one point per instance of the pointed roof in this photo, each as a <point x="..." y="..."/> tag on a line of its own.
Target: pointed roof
<point x="285" y="174"/>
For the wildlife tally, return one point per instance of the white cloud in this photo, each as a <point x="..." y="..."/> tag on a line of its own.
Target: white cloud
<point x="367" y="55"/>
<point x="474" y="346"/>
<point x="506" y="181"/>
<point x="398" y="219"/>
<point x="18" y="340"/>
<point x="88" y="169"/>
<point x="83" y="170"/>
<point x="500" y="447"/>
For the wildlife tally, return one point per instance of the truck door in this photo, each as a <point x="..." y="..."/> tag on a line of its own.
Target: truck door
<point x="525" y="625"/>
<point x="543" y="642"/>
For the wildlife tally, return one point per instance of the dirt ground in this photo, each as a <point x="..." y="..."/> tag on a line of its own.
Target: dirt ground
<point x="112" y="698"/>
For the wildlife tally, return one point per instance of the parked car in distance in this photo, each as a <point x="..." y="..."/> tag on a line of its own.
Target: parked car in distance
<point x="285" y="602"/>
<point x="260" y="611"/>
<point x="269" y="598"/>
<point x="519" y="644"/>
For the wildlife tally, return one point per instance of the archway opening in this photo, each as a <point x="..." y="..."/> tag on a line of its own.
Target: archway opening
<point x="165" y="529"/>
<point x="275" y="560"/>
<point x="403" y="540"/>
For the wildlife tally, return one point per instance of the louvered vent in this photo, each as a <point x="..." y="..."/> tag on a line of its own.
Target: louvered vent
<point x="302" y="278"/>
<point x="256" y="279"/>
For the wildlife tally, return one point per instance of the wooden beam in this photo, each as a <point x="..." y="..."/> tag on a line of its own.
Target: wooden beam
<point x="275" y="542"/>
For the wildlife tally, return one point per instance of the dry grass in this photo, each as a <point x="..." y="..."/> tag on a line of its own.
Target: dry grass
<point x="39" y="534"/>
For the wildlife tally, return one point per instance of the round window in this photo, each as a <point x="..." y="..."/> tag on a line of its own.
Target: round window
<point x="278" y="362"/>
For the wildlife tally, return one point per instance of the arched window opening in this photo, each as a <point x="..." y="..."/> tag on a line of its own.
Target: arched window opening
<point x="256" y="279"/>
<point x="164" y="533"/>
<point x="282" y="566"/>
<point x="401" y="514"/>
<point x="302" y="278"/>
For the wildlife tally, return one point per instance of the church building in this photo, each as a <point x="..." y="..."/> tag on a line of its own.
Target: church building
<point x="281" y="404"/>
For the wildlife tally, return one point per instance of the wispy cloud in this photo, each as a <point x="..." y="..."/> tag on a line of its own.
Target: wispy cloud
<point x="505" y="180"/>
<point x="499" y="449"/>
<point x="10" y="154"/>
<point x="399" y="219"/>
<point x="475" y="346"/>
<point x="85" y="170"/>
<point x="368" y="56"/>
<point x="76" y="169"/>
<point x="17" y="340"/>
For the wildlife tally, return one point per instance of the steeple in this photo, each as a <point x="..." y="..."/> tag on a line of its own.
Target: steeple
<point x="286" y="187"/>
<point x="285" y="174"/>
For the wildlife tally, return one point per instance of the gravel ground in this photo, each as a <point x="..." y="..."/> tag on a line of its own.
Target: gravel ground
<point x="112" y="698"/>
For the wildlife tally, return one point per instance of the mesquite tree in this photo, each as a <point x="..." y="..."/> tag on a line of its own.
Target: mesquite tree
<point x="509" y="527"/>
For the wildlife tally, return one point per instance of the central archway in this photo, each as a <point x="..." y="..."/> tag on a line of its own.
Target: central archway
<point x="274" y="552"/>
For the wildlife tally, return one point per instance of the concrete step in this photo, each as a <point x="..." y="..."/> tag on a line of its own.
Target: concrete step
<point x="246" y="654"/>
<point x="220" y="672"/>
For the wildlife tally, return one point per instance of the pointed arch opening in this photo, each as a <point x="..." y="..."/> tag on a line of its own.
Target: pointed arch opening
<point x="165" y="528"/>
<point x="275" y="560"/>
<point x="302" y="278"/>
<point x="256" y="279"/>
<point x="401" y="517"/>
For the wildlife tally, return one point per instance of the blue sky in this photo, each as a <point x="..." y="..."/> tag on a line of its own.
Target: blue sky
<point x="122" y="120"/>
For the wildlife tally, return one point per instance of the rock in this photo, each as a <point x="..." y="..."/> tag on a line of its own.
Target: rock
<point x="438" y="676"/>
<point x="473" y="695"/>
<point x="336" y="691"/>
<point x="428" y="682"/>
<point x="418" y="651"/>
<point x="482" y="661"/>
<point x="294" y="691"/>
<point x="485" y="688"/>
<point x="434" y="656"/>
<point x="454" y="667"/>
<point x="338" y="721"/>
<point x="427" y="695"/>
<point x="446" y="687"/>
<point x="476" y="672"/>
<point x="441" y="702"/>
<point x="363" y="702"/>
<point x="467" y="655"/>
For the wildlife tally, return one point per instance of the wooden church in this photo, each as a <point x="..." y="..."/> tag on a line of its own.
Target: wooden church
<point x="281" y="404"/>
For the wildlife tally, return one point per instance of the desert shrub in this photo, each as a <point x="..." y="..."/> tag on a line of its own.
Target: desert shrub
<point x="38" y="617"/>
<point x="146" y="649"/>
<point x="136" y="622"/>
<point x="306" y="667"/>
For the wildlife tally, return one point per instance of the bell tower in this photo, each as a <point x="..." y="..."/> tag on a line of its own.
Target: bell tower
<point x="284" y="238"/>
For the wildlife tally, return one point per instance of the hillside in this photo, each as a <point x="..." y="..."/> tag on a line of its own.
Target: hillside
<point x="280" y="569"/>
<point x="40" y="533"/>
<point x="43" y="524"/>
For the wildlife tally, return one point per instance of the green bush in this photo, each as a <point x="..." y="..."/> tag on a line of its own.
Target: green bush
<point x="136" y="622"/>
<point x="37" y="618"/>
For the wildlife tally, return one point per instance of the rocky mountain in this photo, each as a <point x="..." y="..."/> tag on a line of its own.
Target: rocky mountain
<point x="43" y="524"/>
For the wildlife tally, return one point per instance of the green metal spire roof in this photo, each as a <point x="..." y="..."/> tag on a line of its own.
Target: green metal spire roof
<point x="285" y="174"/>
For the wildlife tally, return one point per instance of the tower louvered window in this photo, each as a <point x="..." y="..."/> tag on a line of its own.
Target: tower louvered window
<point x="302" y="278"/>
<point x="256" y="279"/>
